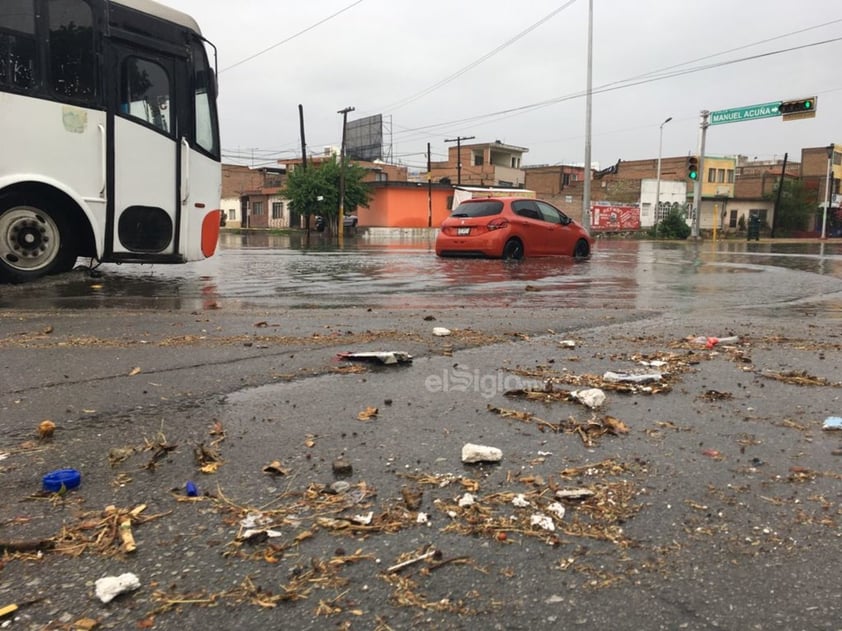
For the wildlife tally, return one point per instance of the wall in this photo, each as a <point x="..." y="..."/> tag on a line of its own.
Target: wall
<point x="405" y="206"/>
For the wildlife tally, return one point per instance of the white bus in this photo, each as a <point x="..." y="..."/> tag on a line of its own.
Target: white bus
<point x="109" y="136"/>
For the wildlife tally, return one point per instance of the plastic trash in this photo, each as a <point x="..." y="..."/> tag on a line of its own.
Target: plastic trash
<point x="109" y="587"/>
<point x="832" y="423"/>
<point x="624" y="377"/>
<point x="592" y="397"/>
<point x="713" y="341"/>
<point x="384" y="357"/>
<point x="61" y="479"/>
<point x="480" y="453"/>
<point x="190" y="489"/>
<point x="441" y="331"/>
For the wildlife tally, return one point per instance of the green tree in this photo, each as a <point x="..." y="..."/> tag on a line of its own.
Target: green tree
<point x="315" y="190"/>
<point x="673" y="226"/>
<point x="795" y="207"/>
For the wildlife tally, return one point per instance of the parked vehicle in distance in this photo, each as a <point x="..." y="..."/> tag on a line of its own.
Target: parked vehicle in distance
<point x="349" y="221"/>
<point x="511" y="228"/>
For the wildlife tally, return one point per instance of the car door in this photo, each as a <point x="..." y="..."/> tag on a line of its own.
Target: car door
<point x="530" y="226"/>
<point x="557" y="235"/>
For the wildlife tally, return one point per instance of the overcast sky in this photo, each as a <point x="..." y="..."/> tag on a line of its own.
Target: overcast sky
<point x="516" y="71"/>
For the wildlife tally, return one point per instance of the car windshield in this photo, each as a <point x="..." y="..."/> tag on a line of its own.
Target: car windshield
<point x="478" y="209"/>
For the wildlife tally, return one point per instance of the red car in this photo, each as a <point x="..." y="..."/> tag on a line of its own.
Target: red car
<point x="511" y="228"/>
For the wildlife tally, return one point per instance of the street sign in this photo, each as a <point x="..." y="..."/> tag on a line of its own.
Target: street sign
<point x="748" y="113"/>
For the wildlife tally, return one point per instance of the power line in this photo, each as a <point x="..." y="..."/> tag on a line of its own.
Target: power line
<point x="610" y="87"/>
<point x="406" y="101"/>
<point x="291" y="37"/>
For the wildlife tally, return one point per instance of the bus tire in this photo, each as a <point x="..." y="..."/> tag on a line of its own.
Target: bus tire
<point x="35" y="240"/>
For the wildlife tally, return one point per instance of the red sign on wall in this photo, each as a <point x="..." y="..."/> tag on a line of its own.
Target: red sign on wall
<point x="607" y="216"/>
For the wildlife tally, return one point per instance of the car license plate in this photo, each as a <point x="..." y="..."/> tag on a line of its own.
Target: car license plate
<point x="461" y="232"/>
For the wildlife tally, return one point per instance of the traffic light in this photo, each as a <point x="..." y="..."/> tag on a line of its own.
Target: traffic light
<point x="693" y="168"/>
<point x="798" y="108"/>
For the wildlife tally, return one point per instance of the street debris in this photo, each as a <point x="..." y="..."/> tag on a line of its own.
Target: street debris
<point x="798" y="378"/>
<point x="46" y="429"/>
<point x="370" y="412"/>
<point x="109" y="587"/>
<point x="61" y="480"/>
<point x="276" y="468"/>
<point x="625" y="377"/>
<point x="441" y="331"/>
<point x="567" y="343"/>
<point x="190" y="489"/>
<point x="342" y="467"/>
<point x="412" y="497"/>
<point x="384" y="357"/>
<point x="832" y="423"/>
<point x="591" y="397"/>
<point x="472" y="453"/>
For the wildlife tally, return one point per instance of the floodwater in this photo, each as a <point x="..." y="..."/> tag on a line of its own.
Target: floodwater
<point x="264" y="271"/>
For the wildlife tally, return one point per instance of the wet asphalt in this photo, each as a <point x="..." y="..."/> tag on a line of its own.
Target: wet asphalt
<point x="715" y="505"/>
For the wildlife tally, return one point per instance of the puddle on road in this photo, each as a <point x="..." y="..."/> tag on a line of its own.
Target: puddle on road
<point x="275" y="271"/>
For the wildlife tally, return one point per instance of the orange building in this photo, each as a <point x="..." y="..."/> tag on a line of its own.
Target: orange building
<point x="406" y="205"/>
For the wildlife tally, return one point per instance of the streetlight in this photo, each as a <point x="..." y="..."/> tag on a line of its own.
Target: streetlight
<point x="658" y="177"/>
<point x="830" y="149"/>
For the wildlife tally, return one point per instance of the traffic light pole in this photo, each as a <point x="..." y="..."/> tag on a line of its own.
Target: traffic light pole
<point x="697" y="185"/>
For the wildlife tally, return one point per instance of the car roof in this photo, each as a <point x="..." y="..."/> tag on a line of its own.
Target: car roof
<point x="498" y="198"/>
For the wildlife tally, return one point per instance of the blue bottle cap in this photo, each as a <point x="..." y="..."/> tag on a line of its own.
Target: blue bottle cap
<point x="60" y="479"/>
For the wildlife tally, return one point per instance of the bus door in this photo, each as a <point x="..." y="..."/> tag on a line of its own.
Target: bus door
<point x="145" y="188"/>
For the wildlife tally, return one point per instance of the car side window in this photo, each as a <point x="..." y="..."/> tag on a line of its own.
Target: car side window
<point x="549" y="214"/>
<point x="526" y="208"/>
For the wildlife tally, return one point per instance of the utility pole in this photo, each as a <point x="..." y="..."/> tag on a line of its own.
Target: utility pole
<point x="778" y="197"/>
<point x="341" y="220"/>
<point x="458" y="140"/>
<point x="830" y="149"/>
<point x="429" y="191"/>
<point x="697" y="185"/>
<point x="303" y="162"/>
<point x="586" y="189"/>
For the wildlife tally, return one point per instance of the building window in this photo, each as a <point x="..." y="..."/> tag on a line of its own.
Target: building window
<point x="257" y="208"/>
<point x="515" y="162"/>
<point x="277" y="210"/>
<point x="565" y="180"/>
<point x="732" y="219"/>
<point x="711" y="175"/>
<point x="477" y="159"/>
<point x="720" y="176"/>
<point x="381" y="177"/>
<point x="730" y="176"/>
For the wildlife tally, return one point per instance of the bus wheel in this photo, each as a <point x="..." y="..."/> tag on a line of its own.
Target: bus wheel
<point x="34" y="242"/>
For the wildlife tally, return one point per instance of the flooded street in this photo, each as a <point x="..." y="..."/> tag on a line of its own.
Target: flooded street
<point x="274" y="271"/>
<point x="701" y="494"/>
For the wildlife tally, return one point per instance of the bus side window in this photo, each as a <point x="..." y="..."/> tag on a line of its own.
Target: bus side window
<point x="145" y="93"/>
<point x="72" y="58"/>
<point x="17" y="44"/>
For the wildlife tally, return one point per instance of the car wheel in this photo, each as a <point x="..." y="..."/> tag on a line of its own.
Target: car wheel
<point x="35" y="240"/>
<point x="582" y="249"/>
<point x="513" y="250"/>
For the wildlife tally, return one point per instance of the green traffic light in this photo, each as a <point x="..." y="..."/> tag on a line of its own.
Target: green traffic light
<point x="808" y="105"/>
<point x="693" y="175"/>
